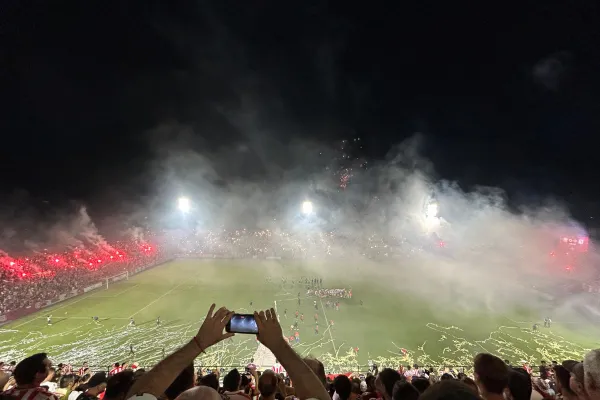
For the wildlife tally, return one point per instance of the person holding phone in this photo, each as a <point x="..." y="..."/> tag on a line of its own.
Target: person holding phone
<point x="152" y="384"/>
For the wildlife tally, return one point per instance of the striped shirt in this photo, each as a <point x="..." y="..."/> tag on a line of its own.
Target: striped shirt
<point x="278" y="369"/>
<point x="37" y="393"/>
<point x="116" y="370"/>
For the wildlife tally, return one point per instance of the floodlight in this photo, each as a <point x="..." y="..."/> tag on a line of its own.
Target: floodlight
<point x="307" y="207"/>
<point x="432" y="210"/>
<point x="184" y="204"/>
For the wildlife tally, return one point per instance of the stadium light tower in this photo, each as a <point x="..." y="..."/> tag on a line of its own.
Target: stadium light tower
<point x="183" y="203"/>
<point x="307" y="207"/>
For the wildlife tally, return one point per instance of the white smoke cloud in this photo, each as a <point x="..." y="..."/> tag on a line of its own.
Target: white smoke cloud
<point x="495" y="252"/>
<point x="84" y="227"/>
<point x="136" y="233"/>
<point x="550" y="71"/>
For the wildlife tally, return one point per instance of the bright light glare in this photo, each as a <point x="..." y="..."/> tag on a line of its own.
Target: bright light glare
<point x="432" y="210"/>
<point x="184" y="204"/>
<point x="307" y="207"/>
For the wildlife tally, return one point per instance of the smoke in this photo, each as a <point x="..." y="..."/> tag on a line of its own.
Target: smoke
<point x="135" y="233"/>
<point x="496" y="252"/>
<point x="551" y="71"/>
<point x="235" y="153"/>
<point x="31" y="228"/>
<point x="258" y="173"/>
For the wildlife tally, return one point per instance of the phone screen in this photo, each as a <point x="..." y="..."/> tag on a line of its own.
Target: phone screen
<point x="242" y="323"/>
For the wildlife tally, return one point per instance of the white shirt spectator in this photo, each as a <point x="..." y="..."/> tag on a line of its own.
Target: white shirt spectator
<point x="52" y="386"/>
<point x="74" y="395"/>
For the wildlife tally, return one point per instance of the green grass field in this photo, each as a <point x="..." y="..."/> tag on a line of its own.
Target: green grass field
<point x="180" y="292"/>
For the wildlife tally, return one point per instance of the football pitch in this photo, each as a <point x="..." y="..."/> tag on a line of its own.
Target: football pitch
<point x="388" y="328"/>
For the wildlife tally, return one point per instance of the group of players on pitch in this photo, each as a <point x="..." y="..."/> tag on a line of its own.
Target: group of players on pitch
<point x="97" y="320"/>
<point x="547" y="324"/>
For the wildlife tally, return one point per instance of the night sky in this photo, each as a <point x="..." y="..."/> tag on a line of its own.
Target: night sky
<point x="502" y="93"/>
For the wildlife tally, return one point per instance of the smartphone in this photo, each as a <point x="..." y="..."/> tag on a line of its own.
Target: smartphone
<point x="242" y="323"/>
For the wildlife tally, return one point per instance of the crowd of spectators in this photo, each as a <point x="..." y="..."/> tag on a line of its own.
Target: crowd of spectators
<point x="277" y="243"/>
<point x="44" y="276"/>
<point x="294" y="377"/>
<point x="28" y="281"/>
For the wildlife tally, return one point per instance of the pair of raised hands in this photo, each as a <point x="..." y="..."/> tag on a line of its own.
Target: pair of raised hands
<point x="212" y="330"/>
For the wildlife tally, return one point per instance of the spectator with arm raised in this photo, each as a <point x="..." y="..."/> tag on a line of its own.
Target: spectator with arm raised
<point x="307" y="384"/>
<point x="183" y="382"/>
<point x="154" y="382"/>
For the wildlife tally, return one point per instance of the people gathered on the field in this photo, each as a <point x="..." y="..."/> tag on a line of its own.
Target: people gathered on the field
<point x="294" y="377"/>
<point x="42" y="276"/>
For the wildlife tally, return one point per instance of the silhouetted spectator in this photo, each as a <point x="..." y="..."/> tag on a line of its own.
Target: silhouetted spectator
<point x="385" y="382"/>
<point x="28" y="375"/>
<point x="491" y="376"/>
<point x="450" y="389"/>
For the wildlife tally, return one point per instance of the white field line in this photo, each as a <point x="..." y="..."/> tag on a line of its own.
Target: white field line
<point x="157" y="299"/>
<point x="288" y="299"/>
<point x="124" y="291"/>
<point x="327" y="325"/>
<point x="50" y="312"/>
<point x="100" y="319"/>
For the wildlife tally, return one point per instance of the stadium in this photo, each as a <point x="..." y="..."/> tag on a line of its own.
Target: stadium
<point x="383" y="301"/>
<point x="299" y="201"/>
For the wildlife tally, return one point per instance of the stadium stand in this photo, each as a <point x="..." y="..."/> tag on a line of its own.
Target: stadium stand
<point x="35" y="282"/>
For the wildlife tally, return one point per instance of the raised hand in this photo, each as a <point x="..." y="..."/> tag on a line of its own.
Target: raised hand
<point x="269" y="330"/>
<point x="211" y="331"/>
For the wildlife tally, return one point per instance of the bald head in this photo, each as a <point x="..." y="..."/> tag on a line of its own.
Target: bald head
<point x="199" y="393"/>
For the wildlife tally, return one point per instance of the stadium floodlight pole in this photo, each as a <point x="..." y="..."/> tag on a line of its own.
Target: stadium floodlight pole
<point x="307" y="207"/>
<point x="184" y="205"/>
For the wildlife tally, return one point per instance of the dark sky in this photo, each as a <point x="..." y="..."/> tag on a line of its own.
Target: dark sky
<point x="504" y="93"/>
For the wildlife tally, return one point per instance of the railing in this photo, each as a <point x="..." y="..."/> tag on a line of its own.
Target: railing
<point x="356" y="369"/>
